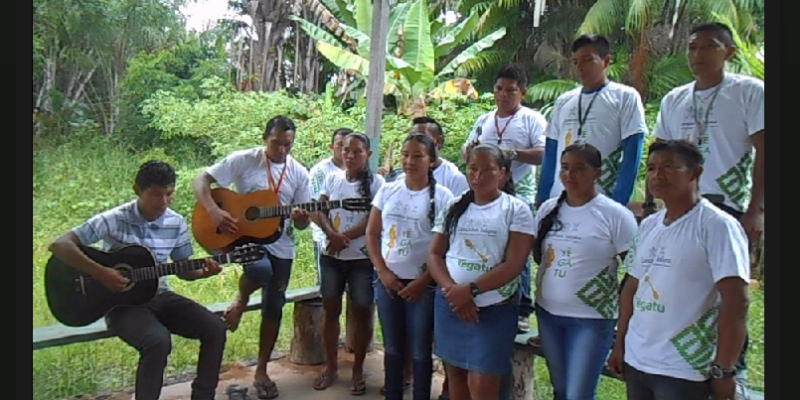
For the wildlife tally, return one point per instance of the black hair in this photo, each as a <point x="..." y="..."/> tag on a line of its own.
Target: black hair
<point x="459" y="207"/>
<point x="281" y="122"/>
<point x="509" y="186"/>
<point x="365" y="175"/>
<point x="720" y="31"/>
<point x="155" y="173"/>
<point x="429" y="120"/>
<point x="515" y="73"/>
<point x="340" y="132"/>
<point x="423" y="138"/>
<point x="551" y="222"/>
<point x="598" y="42"/>
<point x="684" y="149"/>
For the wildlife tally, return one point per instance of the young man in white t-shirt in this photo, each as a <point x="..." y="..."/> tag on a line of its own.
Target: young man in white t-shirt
<point x="317" y="176"/>
<point x="607" y="115"/>
<point x="723" y="114"/>
<point x="247" y="170"/>
<point x="445" y="172"/>
<point x="683" y="309"/>
<point x="519" y="131"/>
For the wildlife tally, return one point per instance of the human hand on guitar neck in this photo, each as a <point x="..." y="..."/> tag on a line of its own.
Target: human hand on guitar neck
<point x="210" y="268"/>
<point x="300" y="218"/>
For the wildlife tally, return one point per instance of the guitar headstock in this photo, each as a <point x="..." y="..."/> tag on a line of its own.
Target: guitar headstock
<point x="357" y="204"/>
<point x="247" y="254"/>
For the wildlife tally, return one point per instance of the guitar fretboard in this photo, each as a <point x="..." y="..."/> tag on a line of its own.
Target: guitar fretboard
<point x="157" y="271"/>
<point x="285" y="211"/>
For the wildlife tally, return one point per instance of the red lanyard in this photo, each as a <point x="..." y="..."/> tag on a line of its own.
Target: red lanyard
<point x="272" y="186"/>
<point x="499" y="131"/>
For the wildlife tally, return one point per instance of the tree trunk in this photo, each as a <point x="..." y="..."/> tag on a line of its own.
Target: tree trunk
<point x="638" y="66"/>
<point x="307" y="342"/>
<point x="522" y="374"/>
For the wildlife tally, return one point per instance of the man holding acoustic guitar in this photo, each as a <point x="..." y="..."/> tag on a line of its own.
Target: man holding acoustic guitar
<point x="286" y="184"/>
<point x="148" y="222"/>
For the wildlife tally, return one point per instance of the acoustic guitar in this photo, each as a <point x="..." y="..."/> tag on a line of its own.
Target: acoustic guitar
<point x="260" y="217"/>
<point x="78" y="299"/>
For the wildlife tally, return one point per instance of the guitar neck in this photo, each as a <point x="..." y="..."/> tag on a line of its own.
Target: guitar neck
<point x="285" y="211"/>
<point x="176" y="268"/>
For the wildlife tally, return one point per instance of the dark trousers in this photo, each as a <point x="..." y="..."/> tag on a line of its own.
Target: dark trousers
<point x="148" y="328"/>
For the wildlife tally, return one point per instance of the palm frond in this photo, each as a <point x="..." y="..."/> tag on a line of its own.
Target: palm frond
<point x="604" y="18"/>
<point x="548" y="91"/>
<point x="669" y="72"/>
<point x="642" y="14"/>
<point x="489" y="59"/>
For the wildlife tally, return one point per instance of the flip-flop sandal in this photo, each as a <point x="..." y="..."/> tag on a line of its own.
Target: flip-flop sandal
<point x="266" y="390"/>
<point x="237" y="392"/>
<point x="324" y="381"/>
<point x="406" y="385"/>
<point x="359" y="388"/>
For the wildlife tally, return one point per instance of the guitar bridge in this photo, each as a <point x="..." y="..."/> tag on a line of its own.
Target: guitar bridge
<point x="80" y="285"/>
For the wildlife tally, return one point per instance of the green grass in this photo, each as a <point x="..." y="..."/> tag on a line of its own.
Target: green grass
<point x="75" y="180"/>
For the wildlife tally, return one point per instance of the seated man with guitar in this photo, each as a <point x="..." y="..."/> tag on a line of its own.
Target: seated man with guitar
<point x="148" y="222"/>
<point x="286" y="183"/>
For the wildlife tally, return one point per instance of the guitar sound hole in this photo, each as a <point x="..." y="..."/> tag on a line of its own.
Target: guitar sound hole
<point x="251" y="214"/>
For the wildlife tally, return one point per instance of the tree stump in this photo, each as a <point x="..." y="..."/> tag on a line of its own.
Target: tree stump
<point x="351" y="327"/>
<point x="307" y="343"/>
<point x="522" y="374"/>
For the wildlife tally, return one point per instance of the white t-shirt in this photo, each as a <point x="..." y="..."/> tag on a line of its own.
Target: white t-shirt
<point x="317" y="177"/>
<point x="578" y="275"/>
<point x="447" y="175"/>
<point x="406" y="236"/>
<point x="616" y="114"/>
<point x="525" y="131"/>
<point x="736" y="114"/>
<point x="247" y="170"/>
<point x="673" y="330"/>
<point x="337" y="187"/>
<point x="480" y="240"/>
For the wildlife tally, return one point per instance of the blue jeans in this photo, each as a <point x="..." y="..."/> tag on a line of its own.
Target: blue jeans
<point x="526" y="302"/>
<point x="355" y="274"/>
<point x="272" y="275"/>
<point x="575" y="350"/>
<point x="405" y="323"/>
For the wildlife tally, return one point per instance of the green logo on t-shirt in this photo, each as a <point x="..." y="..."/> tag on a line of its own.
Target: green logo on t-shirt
<point x="600" y="293"/>
<point x="697" y="343"/>
<point x="737" y="181"/>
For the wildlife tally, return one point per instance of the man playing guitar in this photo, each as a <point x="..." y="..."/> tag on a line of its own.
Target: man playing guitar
<point x="247" y="169"/>
<point x="148" y="221"/>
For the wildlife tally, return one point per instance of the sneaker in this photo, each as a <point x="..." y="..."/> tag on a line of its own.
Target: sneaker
<point x="523" y="325"/>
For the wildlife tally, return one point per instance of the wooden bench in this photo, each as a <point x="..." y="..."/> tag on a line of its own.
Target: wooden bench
<point x="59" y="335"/>
<point x="523" y="368"/>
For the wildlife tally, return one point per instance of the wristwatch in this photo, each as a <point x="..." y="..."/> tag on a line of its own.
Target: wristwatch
<point x="717" y="372"/>
<point x="512" y="154"/>
<point x="473" y="288"/>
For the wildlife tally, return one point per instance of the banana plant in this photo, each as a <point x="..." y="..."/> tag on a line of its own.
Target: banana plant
<point x="414" y="45"/>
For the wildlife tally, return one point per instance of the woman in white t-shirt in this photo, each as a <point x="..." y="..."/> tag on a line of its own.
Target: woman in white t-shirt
<point x="581" y="237"/>
<point x="344" y="259"/>
<point x="478" y="251"/>
<point x="398" y="235"/>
